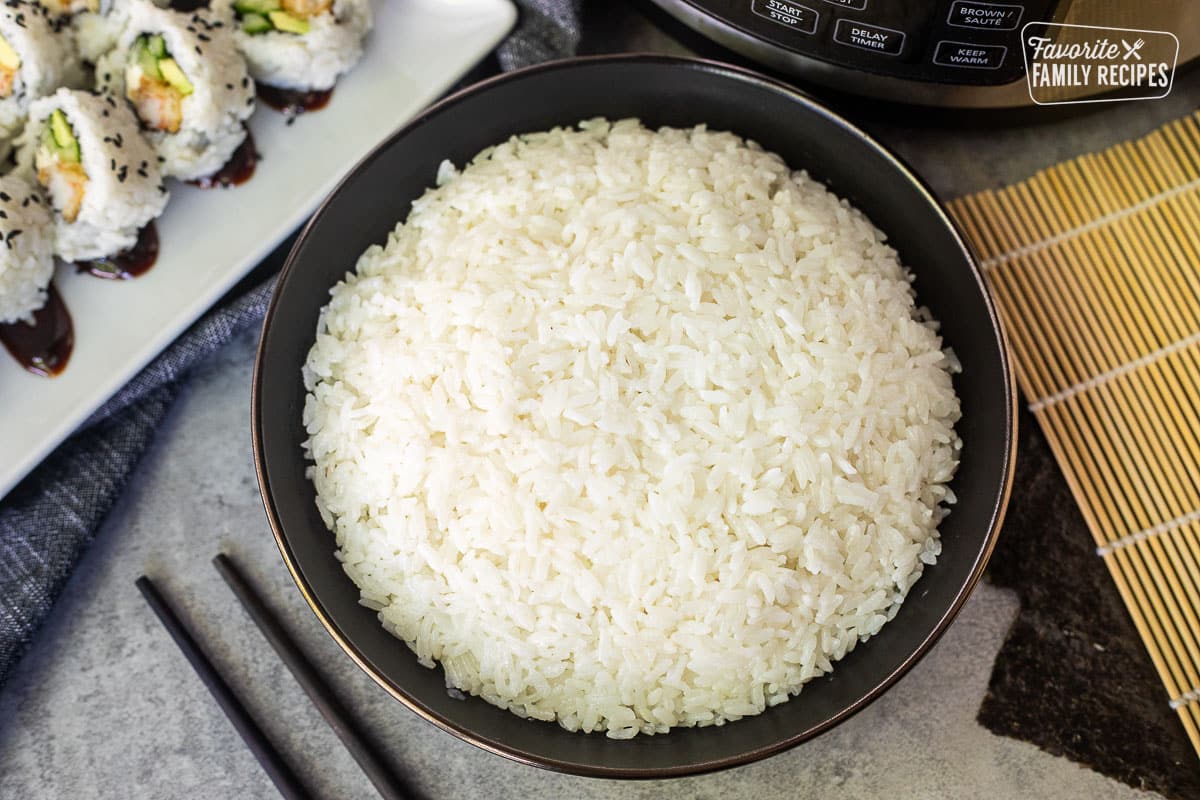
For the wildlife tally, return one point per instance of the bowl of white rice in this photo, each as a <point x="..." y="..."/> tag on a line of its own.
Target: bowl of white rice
<point x="633" y="416"/>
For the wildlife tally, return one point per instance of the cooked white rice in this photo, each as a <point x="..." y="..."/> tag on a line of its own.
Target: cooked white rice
<point x="48" y="61"/>
<point x="124" y="187"/>
<point x="222" y="95"/>
<point x="312" y="61"/>
<point x="26" y="250"/>
<point x="630" y="429"/>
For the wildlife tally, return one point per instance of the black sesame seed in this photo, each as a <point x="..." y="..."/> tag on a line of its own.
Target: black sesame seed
<point x="199" y="52"/>
<point x="12" y="235"/>
<point x="112" y="165"/>
<point x="5" y="196"/>
<point x="4" y="214"/>
<point x="245" y="82"/>
<point x="122" y="173"/>
<point x="229" y="86"/>
<point x="203" y="38"/>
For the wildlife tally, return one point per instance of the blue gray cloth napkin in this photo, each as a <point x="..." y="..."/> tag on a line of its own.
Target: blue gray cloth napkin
<point x="48" y="520"/>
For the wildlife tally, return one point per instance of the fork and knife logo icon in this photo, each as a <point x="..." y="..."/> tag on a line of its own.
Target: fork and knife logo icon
<point x="1133" y="50"/>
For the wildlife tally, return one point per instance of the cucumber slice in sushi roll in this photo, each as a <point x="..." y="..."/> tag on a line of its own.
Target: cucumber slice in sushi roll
<point x="187" y="83"/>
<point x="103" y="179"/>
<point x="26" y="250"/>
<point x="36" y="57"/>
<point x="302" y="45"/>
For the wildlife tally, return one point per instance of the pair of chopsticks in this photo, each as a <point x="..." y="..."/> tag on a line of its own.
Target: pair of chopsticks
<point x="306" y="675"/>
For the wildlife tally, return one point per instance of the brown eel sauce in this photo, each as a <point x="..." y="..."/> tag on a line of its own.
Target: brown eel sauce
<point x="44" y="347"/>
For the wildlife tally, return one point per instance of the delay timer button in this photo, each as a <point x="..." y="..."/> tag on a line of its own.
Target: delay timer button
<point x="985" y="16"/>
<point x="869" y="37"/>
<point x="857" y="5"/>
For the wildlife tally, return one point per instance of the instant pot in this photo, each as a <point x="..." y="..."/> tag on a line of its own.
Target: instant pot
<point x="954" y="53"/>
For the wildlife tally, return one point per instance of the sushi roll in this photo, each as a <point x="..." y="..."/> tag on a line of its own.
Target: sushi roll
<point x="36" y="57"/>
<point x="188" y="85"/>
<point x="102" y="177"/>
<point x="26" y="250"/>
<point x="96" y="24"/>
<point x="301" y="45"/>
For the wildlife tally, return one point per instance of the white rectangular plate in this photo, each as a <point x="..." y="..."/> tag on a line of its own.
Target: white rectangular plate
<point x="210" y="239"/>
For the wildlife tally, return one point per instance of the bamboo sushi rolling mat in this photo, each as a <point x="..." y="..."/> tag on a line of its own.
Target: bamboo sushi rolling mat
<point x="1095" y="266"/>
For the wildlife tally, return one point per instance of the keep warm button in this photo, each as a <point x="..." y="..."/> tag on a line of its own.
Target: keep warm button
<point x="969" y="55"/>
<point x="869" y="37"/>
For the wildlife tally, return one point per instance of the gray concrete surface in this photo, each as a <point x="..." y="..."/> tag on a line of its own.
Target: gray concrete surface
<point x="105" y="706"/>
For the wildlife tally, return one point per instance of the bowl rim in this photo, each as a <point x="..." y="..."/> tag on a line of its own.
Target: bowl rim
<point x="600" y="771"/>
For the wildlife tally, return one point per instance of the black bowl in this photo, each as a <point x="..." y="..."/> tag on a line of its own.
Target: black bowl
<point x="661" y="91"/>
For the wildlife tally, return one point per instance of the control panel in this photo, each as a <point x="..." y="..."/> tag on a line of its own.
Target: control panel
<point x="943" y="41"/>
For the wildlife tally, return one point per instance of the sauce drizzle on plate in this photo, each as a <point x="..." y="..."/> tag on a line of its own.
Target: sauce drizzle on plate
<point x="293" y="102"/>
<point x="237" y="170"/>
<point x="44" y="347"/>
<point x="127" y="264"/>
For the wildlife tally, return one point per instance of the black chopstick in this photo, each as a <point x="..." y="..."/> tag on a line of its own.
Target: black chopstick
<point x="310" y="680"/>
<point x="272" y="762"/>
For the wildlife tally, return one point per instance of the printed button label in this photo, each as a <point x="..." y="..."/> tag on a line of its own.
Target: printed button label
<point x="985" y="16"/>
<point x="797" y="17"/>
<point x="869" y="37"/>
<point x="969" y="56"/>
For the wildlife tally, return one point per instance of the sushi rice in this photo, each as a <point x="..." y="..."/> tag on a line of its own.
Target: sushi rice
<point x="36" y="57"/>
<point x="26" y="250"/>
<point x="196" y="123"/>
<point x="308" y="61"/>
<point x="112" y="188"/>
